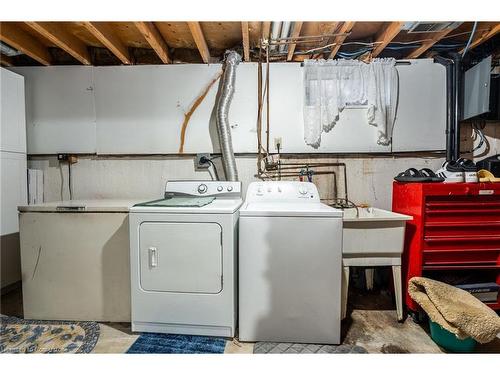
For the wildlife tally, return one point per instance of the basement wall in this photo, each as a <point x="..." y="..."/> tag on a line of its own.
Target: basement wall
<point x="369" y="178"/>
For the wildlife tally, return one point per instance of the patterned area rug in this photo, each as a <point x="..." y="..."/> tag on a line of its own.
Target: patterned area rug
<point x="289" y="348"/>
<point x="178" y="344"/>
<point x="46" y="336"/>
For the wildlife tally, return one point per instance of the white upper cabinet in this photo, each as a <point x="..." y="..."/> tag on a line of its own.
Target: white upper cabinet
<point x="13" y="121"/>
<point x="60" y="114"/>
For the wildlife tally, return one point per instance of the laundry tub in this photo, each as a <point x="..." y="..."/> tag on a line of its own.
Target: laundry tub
<point x="372" y="232"/>
<point x="373" y="237"/>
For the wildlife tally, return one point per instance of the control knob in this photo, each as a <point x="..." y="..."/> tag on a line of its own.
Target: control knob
<point x="202" y="189"/>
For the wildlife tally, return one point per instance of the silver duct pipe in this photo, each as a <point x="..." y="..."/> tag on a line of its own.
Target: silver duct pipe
<point x="225" y="96"/>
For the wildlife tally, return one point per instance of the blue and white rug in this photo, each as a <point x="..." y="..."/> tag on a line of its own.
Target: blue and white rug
<point x="44" y="336"/>
<point x="177" y="344"/>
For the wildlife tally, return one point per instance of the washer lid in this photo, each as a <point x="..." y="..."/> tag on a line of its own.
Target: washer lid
<point x="315" y="209"/>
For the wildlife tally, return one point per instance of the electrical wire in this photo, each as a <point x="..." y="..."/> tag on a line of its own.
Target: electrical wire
<point x="69" y="181"/>
<point x="214" y="168"/>
<point x="470" y="39"/>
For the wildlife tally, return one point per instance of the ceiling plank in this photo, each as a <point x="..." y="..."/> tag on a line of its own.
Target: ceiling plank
<point x="484" y="37"/>
<point x="428" y="44"/>
<point x="297" y="26"/>
<point x="266" y="29"/>
<point x="24" y="42"/>
<point x="386" y="36"/>
<point x="106" y="36"/>
<point x="344" y="29"/>
<point x="63" y="39"/>
<point x="155" y="40"/>
<point x="6" y="60"/>
<point x="200" y="41"/>
<point x="246" y="40"/>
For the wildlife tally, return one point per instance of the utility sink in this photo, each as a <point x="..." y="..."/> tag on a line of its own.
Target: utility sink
<point x="373" y="232"/>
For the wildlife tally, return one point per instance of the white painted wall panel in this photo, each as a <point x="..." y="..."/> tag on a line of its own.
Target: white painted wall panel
<point x="140" y="110"/>
<point x="60" y="112"/>
<point x="421" y="117"/>
<point x="12" y="112"/>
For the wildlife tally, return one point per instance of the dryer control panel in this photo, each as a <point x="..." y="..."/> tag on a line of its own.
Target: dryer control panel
<point x="221" y="189"/>
<point x="282" y="191"/>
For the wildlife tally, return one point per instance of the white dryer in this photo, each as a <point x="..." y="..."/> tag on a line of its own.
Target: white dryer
<point x="290" y="258"/>
<point x="183" y="259"/>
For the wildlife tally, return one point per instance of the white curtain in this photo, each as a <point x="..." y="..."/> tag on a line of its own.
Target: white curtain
<point x="331" y="85"/>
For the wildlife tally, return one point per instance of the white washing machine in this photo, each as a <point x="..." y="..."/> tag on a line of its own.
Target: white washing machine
<point x="183" y="259"/>
<point x="290" y="258"/>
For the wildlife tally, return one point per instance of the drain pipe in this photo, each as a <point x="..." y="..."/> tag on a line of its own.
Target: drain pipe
<point x="457" y="80"/>
<point x="450" y="113"/>
<point x="225" y="96"/>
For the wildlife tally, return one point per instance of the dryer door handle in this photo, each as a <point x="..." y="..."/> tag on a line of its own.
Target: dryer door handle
<point x="153" y="257"/>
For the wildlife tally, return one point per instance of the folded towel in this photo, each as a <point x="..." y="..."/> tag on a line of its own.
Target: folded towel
<point x="455" y="309"/>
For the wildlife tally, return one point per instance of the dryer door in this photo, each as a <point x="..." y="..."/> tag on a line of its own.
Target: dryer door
<point x="181" y="257"/>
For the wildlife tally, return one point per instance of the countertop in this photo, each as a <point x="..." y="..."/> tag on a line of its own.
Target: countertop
<point x="84" y="205"/>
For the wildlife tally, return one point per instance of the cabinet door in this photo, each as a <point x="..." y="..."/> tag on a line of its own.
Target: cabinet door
<point x="181" y="257"/>
<point x="13" y="120"/>
<point x="13" y="188"/>
<point x="60" y="111"/>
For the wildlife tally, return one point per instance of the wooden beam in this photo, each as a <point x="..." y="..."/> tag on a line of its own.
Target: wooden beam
<point x="6" y="60"/>
<point x="246" y="40"/>
<point x="386" y="36"/>
<point x="266" y="29"/>
<point x="106" y="36"/>
<point x="484" y="37"/>
<point x="428" y="44"/>
<point x="344" y="29"/>
<point x="295" y="34"/>
<point x="155" y="40"/>
<point x="22" y="41"/>
<point x="200" y="41"/>
<point x="63" y="39"/>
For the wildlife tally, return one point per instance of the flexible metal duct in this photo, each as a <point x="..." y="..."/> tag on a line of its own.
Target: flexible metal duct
<point x="226" y="92"/>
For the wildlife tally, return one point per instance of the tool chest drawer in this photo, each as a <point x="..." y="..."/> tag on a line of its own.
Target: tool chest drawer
<point x="454" y="227"/>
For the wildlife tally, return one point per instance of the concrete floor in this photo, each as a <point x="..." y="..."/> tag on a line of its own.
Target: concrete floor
<point x="371" y="323"/>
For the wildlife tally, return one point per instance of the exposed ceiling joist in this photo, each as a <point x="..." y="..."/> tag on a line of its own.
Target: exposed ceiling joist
<point x="297" y="26"/>
<point x="246" y="40"/>
<point x="106" y="36"/>
<point x="24" y="42"/>
<point x="484" y="37"/>
<point x="428" y="44"/>
<point x="63" y="39"/>
<point x="344" y="29"/>
<point x="200" y="41"/>
<point x="6" y="60"/>
<point x="155" y="40"/>
<point x="386" y="36"/>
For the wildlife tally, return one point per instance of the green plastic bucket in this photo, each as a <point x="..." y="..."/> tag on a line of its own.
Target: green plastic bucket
<point x="449" y="341"/>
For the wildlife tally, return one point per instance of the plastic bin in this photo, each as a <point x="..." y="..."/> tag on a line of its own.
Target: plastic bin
<point x="449" y="341"/>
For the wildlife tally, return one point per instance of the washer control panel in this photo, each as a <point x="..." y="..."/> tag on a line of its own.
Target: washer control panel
<point x="287" y="191"/>
<point x="204" y="188"/>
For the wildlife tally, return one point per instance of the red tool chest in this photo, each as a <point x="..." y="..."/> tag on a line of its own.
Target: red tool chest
<point x="454" y="227"/>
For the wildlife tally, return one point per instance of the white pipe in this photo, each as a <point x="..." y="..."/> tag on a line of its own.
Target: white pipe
<point x="285" y="30"/>
<point x="275" y="33"/>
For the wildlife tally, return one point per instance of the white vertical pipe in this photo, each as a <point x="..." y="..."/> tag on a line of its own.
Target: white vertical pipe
<point x="285" y="31"/>
<point x="275" y="33"/>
